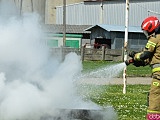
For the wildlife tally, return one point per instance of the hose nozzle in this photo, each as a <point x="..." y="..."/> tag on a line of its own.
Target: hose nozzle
<point x="127" y="62"/>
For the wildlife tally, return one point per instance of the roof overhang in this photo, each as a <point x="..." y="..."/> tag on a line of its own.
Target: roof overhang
<point x="116" y="28"/>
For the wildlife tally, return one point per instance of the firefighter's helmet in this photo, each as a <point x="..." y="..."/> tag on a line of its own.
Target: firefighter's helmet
<point x="150" y="24"/>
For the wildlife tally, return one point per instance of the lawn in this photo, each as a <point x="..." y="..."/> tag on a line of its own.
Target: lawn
<point x="129" y="106"/>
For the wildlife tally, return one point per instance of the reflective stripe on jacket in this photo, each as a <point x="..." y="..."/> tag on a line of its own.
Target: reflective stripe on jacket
<point x="152" y="46"/>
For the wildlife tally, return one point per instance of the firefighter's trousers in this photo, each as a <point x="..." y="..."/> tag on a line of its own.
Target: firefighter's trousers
<point x="154" y="99"/>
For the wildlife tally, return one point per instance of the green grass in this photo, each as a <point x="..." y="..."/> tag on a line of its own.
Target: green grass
<point x="138" y="71"/>
<point x="91" y="65"/>
<point x="129" y="106"/>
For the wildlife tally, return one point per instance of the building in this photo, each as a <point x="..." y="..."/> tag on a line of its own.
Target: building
<point x="25" y="6"/>
<point x="76" y="36"/>
<point x="50" y="16"/>
<point x="83" y="13"/>
<point x="112" y="36"/>
<point x="111" y="12"/>
<point x="89" y="12"/>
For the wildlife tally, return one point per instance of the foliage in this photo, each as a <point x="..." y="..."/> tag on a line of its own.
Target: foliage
<point x="133" y="71"/>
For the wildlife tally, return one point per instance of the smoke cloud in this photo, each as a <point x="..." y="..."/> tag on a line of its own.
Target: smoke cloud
<point x="32" y="83"/>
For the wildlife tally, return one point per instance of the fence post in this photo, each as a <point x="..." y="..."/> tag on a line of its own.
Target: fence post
<point x="122" y="54"/>
<point x="61" y="53"/>
<point x="103" y="53"/>
<point x="82" y="53"/>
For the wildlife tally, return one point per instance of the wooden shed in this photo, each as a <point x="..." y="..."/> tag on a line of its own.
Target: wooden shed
<point x="112" y="36"/>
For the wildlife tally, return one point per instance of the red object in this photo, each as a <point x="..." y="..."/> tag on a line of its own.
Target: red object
<point x="131" y="61"/>
<point x="153" y="116"/>
<point x="127" y="62"/>
<point x="150" y="24"/>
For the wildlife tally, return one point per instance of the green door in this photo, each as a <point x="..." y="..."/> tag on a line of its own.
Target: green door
<point x="72" y="43"/>
<point x="52" y="43"/>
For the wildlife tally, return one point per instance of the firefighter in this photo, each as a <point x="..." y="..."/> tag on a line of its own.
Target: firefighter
<point x="151" y="55"/>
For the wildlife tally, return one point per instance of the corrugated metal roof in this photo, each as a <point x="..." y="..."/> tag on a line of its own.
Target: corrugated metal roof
<point x="58" y="28"/>
<point x="116" y="28"/>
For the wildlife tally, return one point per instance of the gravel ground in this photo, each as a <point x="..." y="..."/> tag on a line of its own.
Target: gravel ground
<point x="103" y="81"/>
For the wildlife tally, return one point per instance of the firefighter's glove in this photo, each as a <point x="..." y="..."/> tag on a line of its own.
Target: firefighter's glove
<point x="139" y="63"/>
<point x="132" y="54"/>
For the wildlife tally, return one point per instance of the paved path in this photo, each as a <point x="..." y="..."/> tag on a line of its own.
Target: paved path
<point x="103" y="81"/>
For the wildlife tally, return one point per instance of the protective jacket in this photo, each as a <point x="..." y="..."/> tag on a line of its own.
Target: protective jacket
<point x="151" y="53"/>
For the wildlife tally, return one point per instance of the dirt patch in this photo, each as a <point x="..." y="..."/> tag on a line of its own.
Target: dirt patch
<point x="103" y="81"/>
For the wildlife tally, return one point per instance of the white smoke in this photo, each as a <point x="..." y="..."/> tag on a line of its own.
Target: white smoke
<point x="32" y="83"/>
